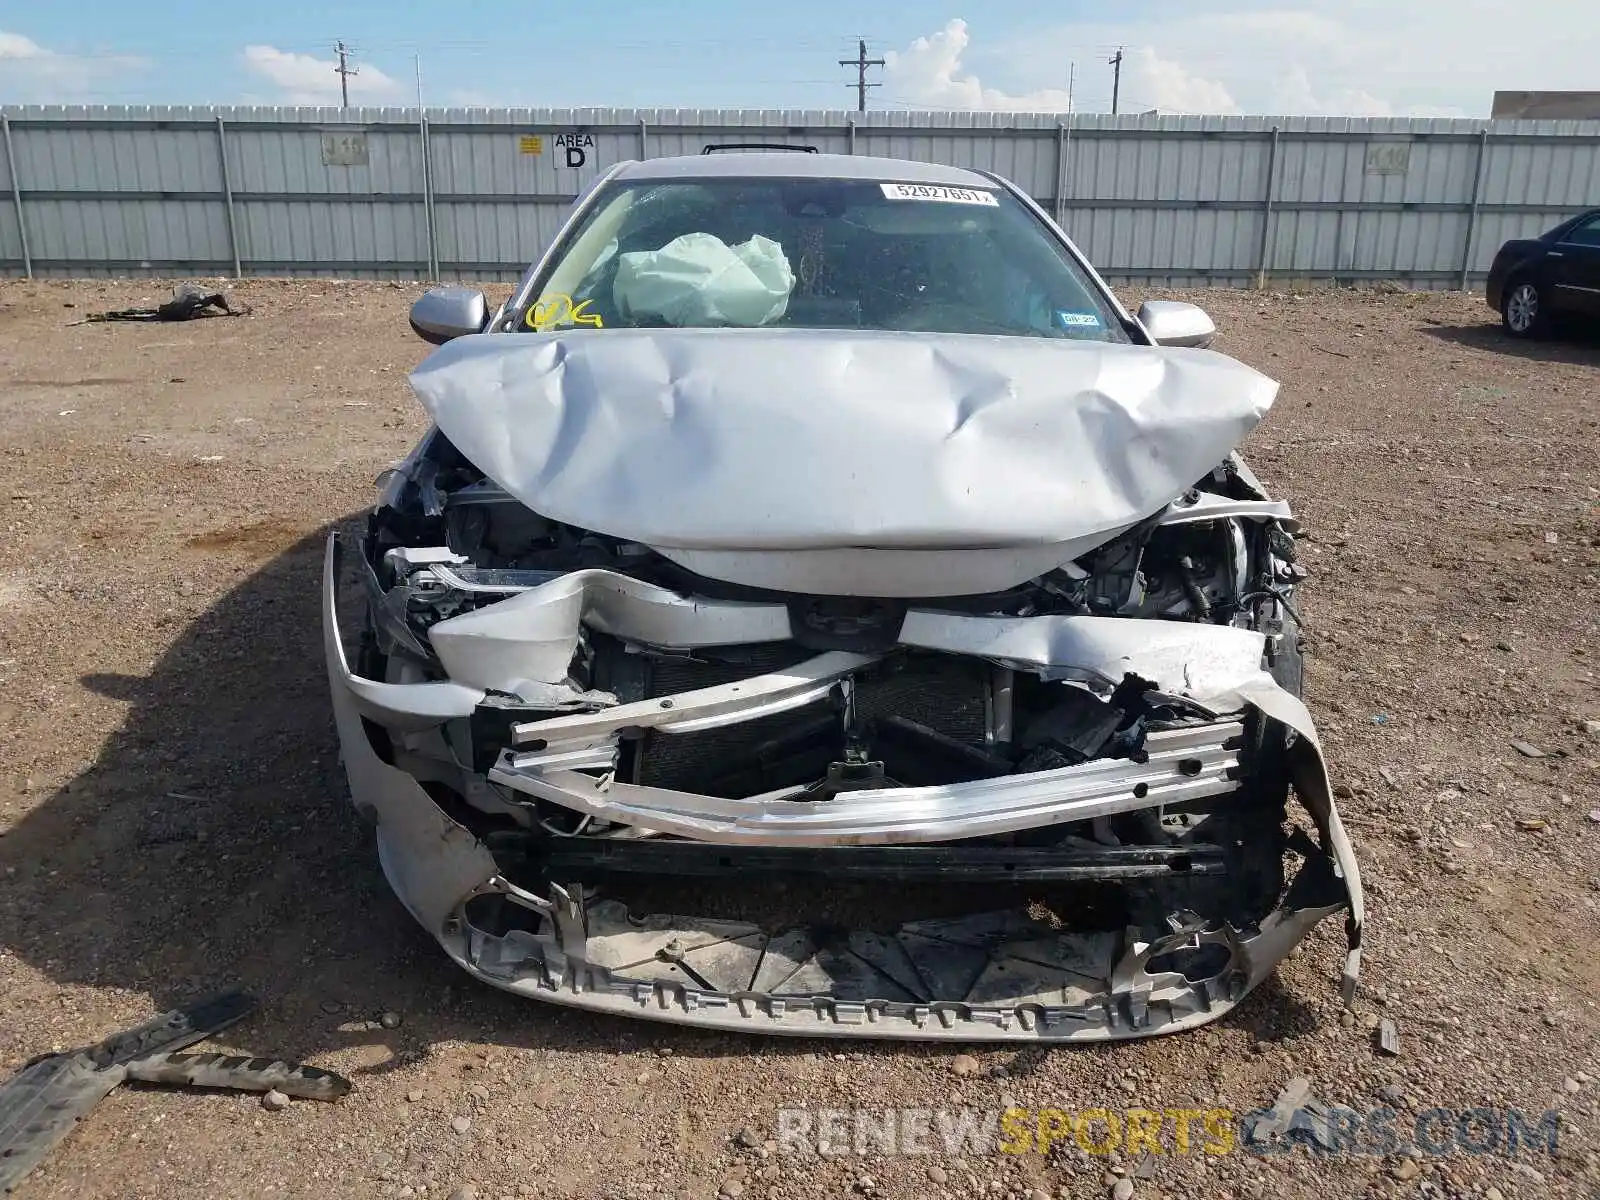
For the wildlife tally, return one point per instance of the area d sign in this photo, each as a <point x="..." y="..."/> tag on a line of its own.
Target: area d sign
<point x="575" y="146"/>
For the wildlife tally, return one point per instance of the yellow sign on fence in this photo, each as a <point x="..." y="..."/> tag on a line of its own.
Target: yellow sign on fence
<point x="530" y="143"/>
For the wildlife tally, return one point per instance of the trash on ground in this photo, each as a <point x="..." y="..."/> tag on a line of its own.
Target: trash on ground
<point x="42" y="1103"/>
<point x="1294" y="1115"/>
<point x="1388" y="1038"/>
<point x="188" y="303"/>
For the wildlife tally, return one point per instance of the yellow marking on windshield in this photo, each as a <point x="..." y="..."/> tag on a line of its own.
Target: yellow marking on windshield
<point x="553" y="311"/>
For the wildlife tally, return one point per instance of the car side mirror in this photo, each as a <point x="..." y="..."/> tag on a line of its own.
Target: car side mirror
<point x="1174" y="323"/>
<point x="440" y="314"/>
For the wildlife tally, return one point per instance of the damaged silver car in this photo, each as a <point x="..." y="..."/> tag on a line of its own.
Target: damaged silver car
<point x="818" y="607"/>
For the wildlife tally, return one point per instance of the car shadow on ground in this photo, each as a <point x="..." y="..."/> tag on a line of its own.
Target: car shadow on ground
<point x="210" y="847"/>
<point x="1576" y="344"/>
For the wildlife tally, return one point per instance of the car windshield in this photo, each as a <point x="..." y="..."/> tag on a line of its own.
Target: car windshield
<point x="818" y="253"/>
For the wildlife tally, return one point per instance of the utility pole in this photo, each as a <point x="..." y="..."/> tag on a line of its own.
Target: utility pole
<point x="861" y="62"/>
<point x="1116" y="79"/>
<point x="344" y="71"/>
<point x="1066" y="137"/>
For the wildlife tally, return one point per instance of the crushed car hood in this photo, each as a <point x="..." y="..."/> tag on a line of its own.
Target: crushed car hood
<point x="778" y="457"/>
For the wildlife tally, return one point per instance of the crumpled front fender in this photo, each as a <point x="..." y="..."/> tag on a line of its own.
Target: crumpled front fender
<point x="432" y="862"/>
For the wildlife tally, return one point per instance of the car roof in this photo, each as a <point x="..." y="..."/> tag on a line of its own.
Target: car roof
<point x="778" y="164"/>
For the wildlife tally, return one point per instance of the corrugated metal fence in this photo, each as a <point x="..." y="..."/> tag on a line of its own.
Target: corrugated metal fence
<point x="476" y="193"/>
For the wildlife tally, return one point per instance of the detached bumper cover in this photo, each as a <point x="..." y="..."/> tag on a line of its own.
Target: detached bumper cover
<point x="991" y="977"/>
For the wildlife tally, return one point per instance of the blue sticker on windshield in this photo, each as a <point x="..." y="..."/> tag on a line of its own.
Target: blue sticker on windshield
<point x="1077" y="320"/>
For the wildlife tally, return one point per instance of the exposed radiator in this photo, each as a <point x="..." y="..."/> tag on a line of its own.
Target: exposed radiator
<point x="945" y="693"/>
<point x="697" y="761"/>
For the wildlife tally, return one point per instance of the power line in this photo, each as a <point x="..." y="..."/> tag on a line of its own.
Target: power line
<point x="744" y="44"/>
<point x="344" y="71"/>
<point x="861" y="62"/>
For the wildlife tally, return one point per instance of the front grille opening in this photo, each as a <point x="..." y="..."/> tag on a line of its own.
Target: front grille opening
<point x="776" y="904"/>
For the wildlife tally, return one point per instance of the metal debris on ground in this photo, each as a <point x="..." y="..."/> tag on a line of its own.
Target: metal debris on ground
<point x="1527" y="750"/>
<point x="40" y="1104"/>
<point x="1388" y="1038"/>
<point x="1295" y="1114"/>
<point x="187" y="304"/>
<point x="241" y="1073"/>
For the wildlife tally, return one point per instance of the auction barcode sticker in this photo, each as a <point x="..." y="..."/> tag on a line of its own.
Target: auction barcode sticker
<point x="933" y="191"/>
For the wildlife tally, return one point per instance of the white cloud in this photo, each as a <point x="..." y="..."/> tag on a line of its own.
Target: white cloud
<point x="14" y="45"/>
<point x="307" y="79"/>
<point x="930" y="74"/>
<point x="1269" y="57"/>
<point x="1292" y="95"/>
<point x="1163" y="85"/>
<point x="32" y="74"/>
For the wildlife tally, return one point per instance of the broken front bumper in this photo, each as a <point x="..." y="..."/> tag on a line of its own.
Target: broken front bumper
<point x="990" y="977"/>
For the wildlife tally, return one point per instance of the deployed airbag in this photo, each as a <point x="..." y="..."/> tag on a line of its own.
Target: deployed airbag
<point x="699" y="280"/>
<point x="808" y="439"/>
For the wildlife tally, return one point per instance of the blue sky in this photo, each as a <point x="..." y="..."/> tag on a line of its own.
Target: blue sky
<point x="1339" y="57"/>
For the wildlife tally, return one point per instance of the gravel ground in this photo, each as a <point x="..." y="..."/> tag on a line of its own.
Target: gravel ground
<point x="173" y="818"/>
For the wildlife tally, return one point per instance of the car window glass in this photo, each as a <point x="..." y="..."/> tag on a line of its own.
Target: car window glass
<point x="835" y="254"/>
<point x="1585" y="234"/>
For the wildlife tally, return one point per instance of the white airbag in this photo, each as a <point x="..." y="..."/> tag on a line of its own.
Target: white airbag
<point x="699" y="280"/>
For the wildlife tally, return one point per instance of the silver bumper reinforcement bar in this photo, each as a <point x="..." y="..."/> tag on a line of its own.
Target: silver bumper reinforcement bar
<point x="1183" y="764"/>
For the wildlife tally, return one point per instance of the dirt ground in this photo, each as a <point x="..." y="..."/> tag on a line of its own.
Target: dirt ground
<point x="174" y="822"/>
